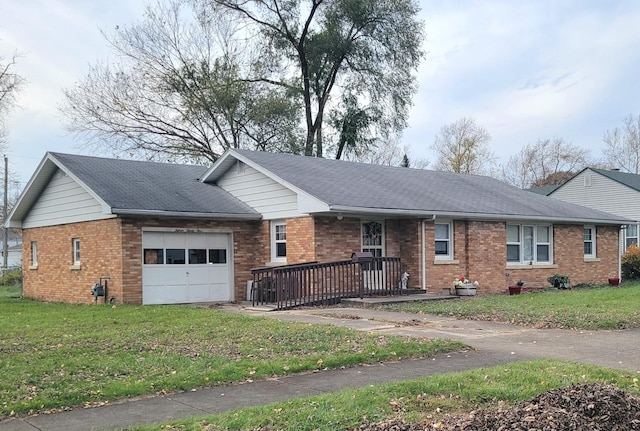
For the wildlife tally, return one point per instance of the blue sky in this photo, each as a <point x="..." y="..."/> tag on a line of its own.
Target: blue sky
<point x="525" y="70"/>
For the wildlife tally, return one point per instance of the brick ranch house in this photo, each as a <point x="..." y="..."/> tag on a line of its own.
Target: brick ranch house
<point x="167" y="233"/>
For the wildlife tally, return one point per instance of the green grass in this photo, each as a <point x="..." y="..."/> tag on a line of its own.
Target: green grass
<point x="54" y="356"/>
<point x="13" y="291"/>
<point x="593" y="308"/>
<point x="425" y="398"/>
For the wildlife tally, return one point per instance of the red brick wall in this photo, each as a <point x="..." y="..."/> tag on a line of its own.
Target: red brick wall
<point x="54" y="279"/>
<point x="113" y="248"/>
<point x="480" y="254"/>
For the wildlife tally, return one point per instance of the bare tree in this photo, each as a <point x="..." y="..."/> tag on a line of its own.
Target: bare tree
<point x="463" y="147"/>
<point x="10" y="84"/>
<point x="547" y="162"/>
<point x="622" y="145"/>
<point x="388" y="152"/>
<point x="176" y="91"/>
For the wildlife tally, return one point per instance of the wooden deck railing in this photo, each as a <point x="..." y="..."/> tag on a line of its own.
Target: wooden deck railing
<point x="324" y="283"/>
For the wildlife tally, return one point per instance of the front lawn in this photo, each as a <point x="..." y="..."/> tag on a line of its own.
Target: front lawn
<point x="589" y="308"/>
<point x="424" y="400"/>
<point x="54" y="356"/>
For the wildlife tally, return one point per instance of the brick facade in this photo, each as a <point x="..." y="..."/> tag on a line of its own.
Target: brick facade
<point x="113" y="248"/>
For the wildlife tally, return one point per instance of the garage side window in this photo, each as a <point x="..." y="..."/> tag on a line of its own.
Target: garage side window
<point x="34" y="253"/>
<point x="153" y="256"/>
<point x="278" y="241"/>
<point x="76" y="251"/>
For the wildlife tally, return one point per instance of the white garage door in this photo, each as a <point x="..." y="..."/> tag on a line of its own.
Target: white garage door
<point x="184" y="267"/>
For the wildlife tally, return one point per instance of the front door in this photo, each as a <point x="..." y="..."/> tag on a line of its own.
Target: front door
<point x="373" y="242"/>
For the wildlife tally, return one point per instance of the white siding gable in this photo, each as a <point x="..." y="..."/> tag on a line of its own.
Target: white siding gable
<point x="265" y="195"/>
<point x="63" y="201"/>
<point x="590" y="189"/>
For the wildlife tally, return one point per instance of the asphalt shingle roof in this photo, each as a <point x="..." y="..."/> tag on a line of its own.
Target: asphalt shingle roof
<point x="151" y="186"/>
<point x="359" y="185"/>
<point x="626" y="178"/>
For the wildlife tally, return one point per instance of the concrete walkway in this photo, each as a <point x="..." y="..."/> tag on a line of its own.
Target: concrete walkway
<point x="493" y="343"/>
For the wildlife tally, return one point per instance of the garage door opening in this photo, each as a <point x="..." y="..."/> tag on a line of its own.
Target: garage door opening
<point x="186" y="267"/>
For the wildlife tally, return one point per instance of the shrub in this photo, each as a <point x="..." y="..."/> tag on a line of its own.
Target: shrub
<point x="631" y="263"/>
<point x="559" y="281"/>
<point x="11" y="277"/>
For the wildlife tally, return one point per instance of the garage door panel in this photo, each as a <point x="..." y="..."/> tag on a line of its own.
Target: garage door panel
<point x="183" y="282"/>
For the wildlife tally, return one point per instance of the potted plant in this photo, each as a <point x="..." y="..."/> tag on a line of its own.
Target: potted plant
<point x="517" y="288"/>
<point x="464" y="287"/>
<point x="614" y="281"/>
<point x="559" y="281"/>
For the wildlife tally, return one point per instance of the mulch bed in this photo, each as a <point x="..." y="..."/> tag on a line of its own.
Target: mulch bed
<point x="585" y="407"/>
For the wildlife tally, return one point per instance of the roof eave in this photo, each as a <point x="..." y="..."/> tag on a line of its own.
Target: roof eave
<point x="471" y="215"/>
<point x="182" y="214"/>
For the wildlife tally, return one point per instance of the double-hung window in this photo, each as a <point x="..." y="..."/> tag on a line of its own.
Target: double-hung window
<point x="589" y="242"/>
<point x="278" y="241"/>
<point x="444" y="241"/>
<point x="631" y="236"/>
<point x="528" y="244"/>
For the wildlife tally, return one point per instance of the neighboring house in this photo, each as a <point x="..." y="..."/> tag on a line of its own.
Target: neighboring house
<point x="14" y="256"/>
<point x="606" y="190"/>
<point x="167" y="233"/>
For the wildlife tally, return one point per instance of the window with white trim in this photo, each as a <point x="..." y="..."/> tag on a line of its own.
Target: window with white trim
<point x="589" y="241"/>
<point x="529" y="244"/>
<point x="76" y="250"/>
<point x="631" y="236"/>
<point x="444" y="241"/>
<point x="34" y="253"/>
<point x="278" y="241"/>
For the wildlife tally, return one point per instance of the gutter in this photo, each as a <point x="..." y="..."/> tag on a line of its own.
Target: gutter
<point x="180" y="214"/>
<point x="478" y="216"/>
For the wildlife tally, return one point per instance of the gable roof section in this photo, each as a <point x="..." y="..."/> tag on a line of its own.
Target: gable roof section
<point x="627" y="179"/>
<point x="129" y="187"/>
<point x="350" y="187"/>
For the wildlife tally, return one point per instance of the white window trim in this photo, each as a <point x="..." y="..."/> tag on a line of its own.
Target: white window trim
<point x="34" y="255"/>
<point x="535" y="261"/>
<point x="274" y="242"/>
<point x="592" y="255"/>
<point x="450" y="255"/>
<point x="76" y="251"/>
<point x="637" y="229"/>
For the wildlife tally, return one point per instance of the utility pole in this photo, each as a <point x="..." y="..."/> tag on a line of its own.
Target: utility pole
<point x="5" y="240"/>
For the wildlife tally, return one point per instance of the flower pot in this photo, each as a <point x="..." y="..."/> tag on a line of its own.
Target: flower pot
<point x="467" y="290"/>
<point x="515" y="290"/>
<point x="614" y="281"/>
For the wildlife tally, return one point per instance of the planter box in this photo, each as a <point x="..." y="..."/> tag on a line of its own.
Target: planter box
<point x="515" y="290"/>
<point x="614" y="281"/>
<point x="467" y="290"/>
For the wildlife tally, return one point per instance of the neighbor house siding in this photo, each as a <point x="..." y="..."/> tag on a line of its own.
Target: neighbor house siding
<point x="593" y="190"/>
<point x="262" y="193"/>
<point x="63" y="201"/>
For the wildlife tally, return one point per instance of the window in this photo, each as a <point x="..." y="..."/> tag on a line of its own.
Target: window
<point x="34" y="253"/>
<point x="76" y="251"/>
<point x="278" y="241"/>
<point x="175" y="256"/>
<point x="218" y="255"/>
<point x="631" y="235"/>
<point x="198" y="255"/>
<point x="153" y="256"/>
<point x="528" y="244"/>
<point x="589" y="241"/>
<point x="443" y="243"/>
